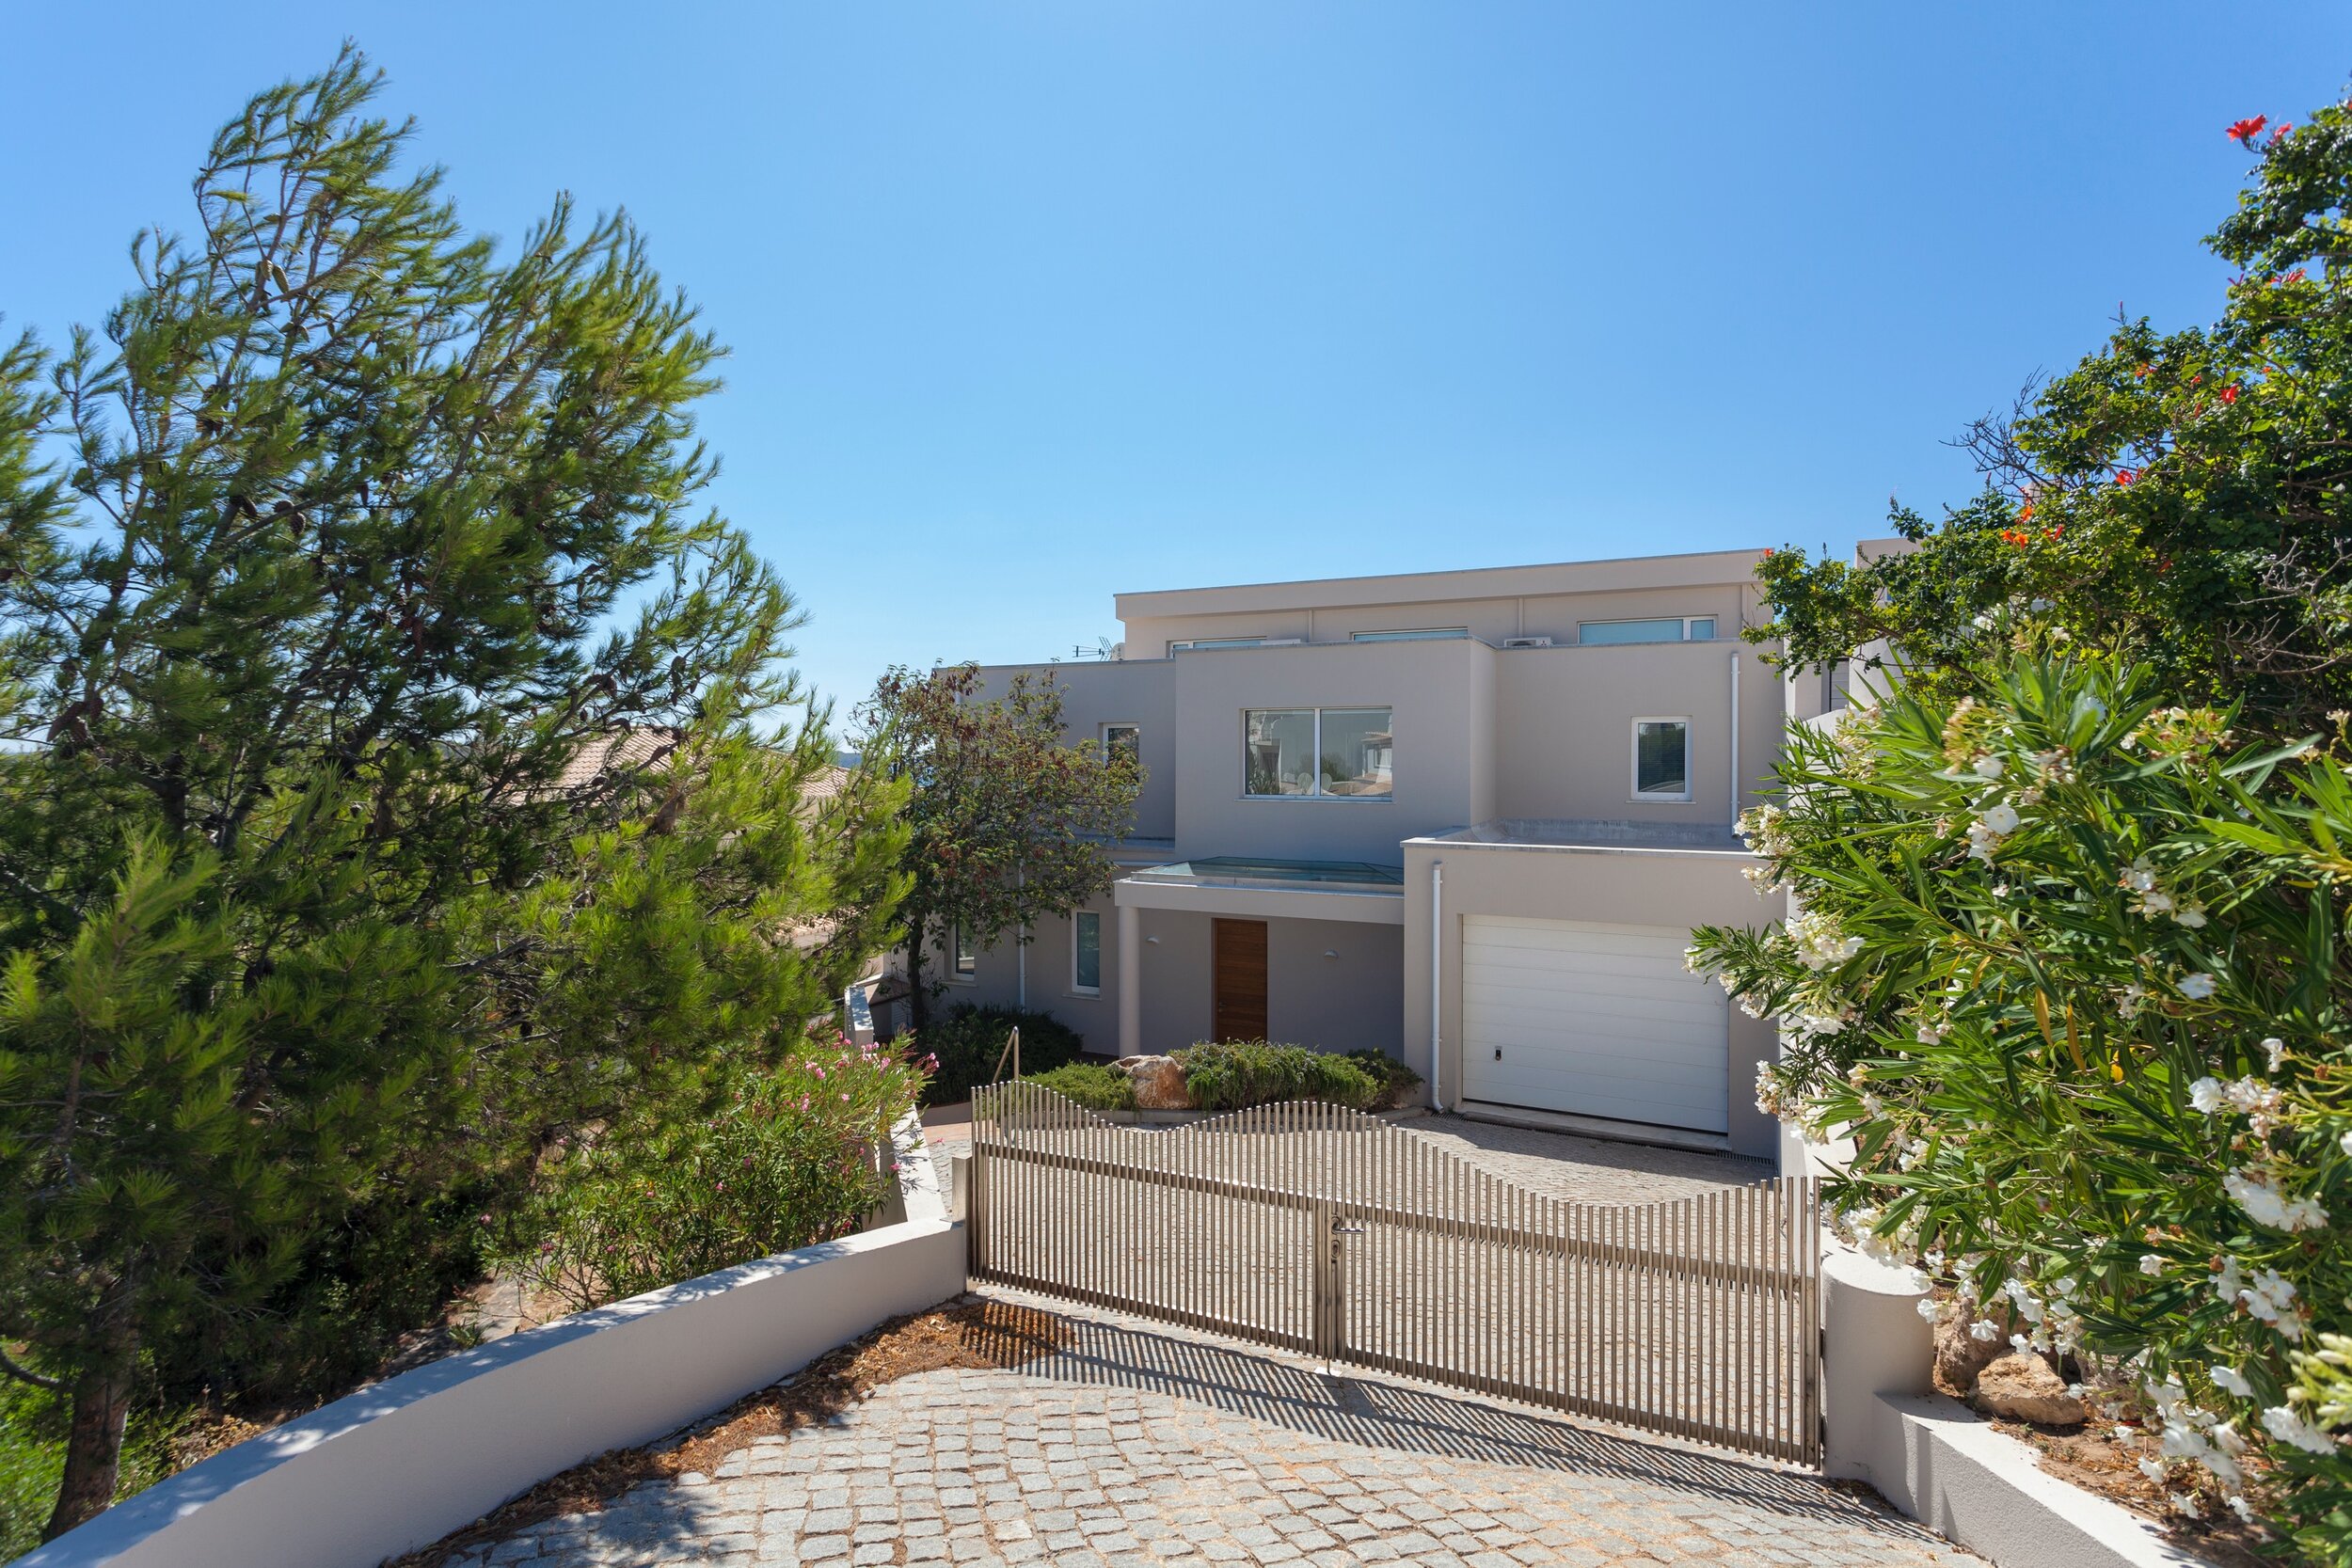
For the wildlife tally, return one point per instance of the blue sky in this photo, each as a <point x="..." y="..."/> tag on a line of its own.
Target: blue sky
<point x="1033" y="303"/>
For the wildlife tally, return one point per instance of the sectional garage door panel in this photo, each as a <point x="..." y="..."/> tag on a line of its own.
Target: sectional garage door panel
<point x="1594" y="1019"/>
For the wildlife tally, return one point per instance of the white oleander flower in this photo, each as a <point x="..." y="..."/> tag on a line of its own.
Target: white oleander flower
<point x="2191" y="914"/>
<point x="2345" y="1143"/>
<point x="2186" y="1504"/>
<point x="2276" y="1049"/>
<point x="1987" y="766"/>
<point x="2000" y="817"/>
<point x="2153" y="1469"/>
<point x="2196" y="987"/>
<point x="2265" y="1204"/>
<point x="2205" y="1094"/>
<point x="2282" y="1422"/>
<point x="1984" y="1331"/>
<point x="2230" y="1379"/>
<point x="1930" y="1309"/>
<point x="2021" y="1345"/>
<point x="2271" y="1298"/>
<point x="2151" y="1264"/>
<point x="2240" y="1507"/>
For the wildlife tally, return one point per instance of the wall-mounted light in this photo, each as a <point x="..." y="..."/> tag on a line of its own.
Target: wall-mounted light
<point x="1151" y="941"/>
<point x="1330" y="952"/>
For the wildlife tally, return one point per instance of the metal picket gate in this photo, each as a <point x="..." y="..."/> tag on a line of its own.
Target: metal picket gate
<point x="1321" y="1229"/>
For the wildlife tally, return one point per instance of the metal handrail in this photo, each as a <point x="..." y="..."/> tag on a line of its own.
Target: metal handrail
<point x="1012" y="1049"/>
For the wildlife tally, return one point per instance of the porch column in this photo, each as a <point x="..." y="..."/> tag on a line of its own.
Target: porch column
<point x="1130" y="981"/>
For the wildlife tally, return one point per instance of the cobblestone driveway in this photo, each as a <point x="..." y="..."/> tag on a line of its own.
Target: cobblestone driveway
<point x="1134" y="1447"/>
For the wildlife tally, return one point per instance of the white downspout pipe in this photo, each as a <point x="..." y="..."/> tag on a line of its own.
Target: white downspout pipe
<point x="1436" y="985"/>
<point x="1735" y="740"/>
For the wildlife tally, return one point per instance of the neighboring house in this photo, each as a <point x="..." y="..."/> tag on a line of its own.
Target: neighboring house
<point x="1465" y="817"/>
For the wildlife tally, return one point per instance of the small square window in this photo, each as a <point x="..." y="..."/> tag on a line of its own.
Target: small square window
<point x="1662" y="759"/>
<point x="1123" y="737"/>
<point x="1086" y="952"/>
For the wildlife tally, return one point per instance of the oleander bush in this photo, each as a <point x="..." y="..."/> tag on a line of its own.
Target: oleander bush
<point x="2070" y="968"/>
<point x="796" y="1154"/>
<point x="968" y="1042"/>
<point x="1229" y="1075"/>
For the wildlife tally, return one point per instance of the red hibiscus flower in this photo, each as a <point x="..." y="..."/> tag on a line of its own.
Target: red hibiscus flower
<point x="2024" y="513"/>
<point x="2246" y="130"/>
<point x="2279" y="130"/>
<point x="2228" y="393"/>
<point x="2124" y="476"/>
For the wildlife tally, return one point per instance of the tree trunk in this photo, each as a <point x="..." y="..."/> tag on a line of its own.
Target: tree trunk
<point x="93" y="1443"/>
<point x="918" y="1000"/>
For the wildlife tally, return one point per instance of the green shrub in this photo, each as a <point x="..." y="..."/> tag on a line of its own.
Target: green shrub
<point x="796" y="1155"/>
<point x="969" y="1039"/>
<point x="1097" y="1088"/>
<point x="2070" y="970"/>
<point x="1229" y="1075"/>
<point x="1395" y="1079"/>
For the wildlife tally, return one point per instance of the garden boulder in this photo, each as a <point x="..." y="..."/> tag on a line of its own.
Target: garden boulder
<point x="1959" y="1355"/>
<point x="1159" y="1083"/>
<point x="2023" y="1388"/>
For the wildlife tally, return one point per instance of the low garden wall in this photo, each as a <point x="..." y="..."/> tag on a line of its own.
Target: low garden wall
<point x="403" y="1462"/>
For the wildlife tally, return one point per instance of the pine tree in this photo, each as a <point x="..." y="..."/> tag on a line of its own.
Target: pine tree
<point x="396" y="766"/>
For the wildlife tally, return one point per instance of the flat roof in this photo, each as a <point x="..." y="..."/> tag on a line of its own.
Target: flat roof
<point x="1472" y="582"/>
<point x="1251" y="868"/>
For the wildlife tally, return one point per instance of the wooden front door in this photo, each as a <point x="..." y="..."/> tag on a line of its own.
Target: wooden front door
<point x="1237" y="963"/>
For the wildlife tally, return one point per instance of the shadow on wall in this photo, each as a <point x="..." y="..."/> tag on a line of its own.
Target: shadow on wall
<point x="1379" y="1415"/>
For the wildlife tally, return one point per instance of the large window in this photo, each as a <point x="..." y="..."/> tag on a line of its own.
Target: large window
<point x="1672" y="628"/>
<point x="1662" y="759"/>
<point x="1317" y="753"/>
<point x="1085" y="953"/>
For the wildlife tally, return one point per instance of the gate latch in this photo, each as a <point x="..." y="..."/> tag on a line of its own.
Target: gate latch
<point x="1340" y="1227"/>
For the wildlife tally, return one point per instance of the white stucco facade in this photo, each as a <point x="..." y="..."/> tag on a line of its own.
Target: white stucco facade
<point x="1491" y="723"/>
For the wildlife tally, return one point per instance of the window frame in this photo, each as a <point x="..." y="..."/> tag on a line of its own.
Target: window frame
<point x="1687" y="622"/>
<point x="1102" y="736"/>
<point x="1182" y="644"/>
<point x="963" y="963"/>
<point x="1413" y="634"/>
<point x="1078" y="988"/>
<point x="1636" y="795"/>
<point x="1317" y="793"/>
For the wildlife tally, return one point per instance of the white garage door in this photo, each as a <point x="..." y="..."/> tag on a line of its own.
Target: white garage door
<point x="1600" y="1021"/>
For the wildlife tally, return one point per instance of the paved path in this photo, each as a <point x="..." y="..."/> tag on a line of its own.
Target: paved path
<point x="1133" y="1447"/>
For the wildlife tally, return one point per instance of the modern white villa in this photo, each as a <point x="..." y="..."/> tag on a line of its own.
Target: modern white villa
<point x="1465" y="817"/>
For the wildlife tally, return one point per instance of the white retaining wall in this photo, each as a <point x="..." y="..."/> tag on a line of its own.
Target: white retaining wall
<point x="1939" y="1460"/>
<point x="401" y="1464"/>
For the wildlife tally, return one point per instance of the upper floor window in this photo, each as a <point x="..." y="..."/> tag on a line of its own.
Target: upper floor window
<point x="1317" y="753"/>
<point x="1122" y="737"/>
<point x="1216" y="642"/>
<point x="1431" y="634"/>
<point x="1662" y="759"/>
<point x="1672" y="628"/>
<point x="964" y="961"/>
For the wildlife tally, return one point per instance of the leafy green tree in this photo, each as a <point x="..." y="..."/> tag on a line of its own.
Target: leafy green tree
<point x="400" y="768"/>
<point x="1006" y="822"/>
<point x="2184" y="499"/>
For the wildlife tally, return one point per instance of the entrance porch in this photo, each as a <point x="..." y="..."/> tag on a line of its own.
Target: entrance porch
<point x="1305" y="952"/>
